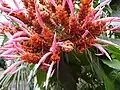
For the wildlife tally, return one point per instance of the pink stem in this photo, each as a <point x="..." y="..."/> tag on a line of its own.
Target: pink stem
<point x="109" y="19"/>
<point x="107" y="42"/>
<point x="6" y="23"/>
<point x="26" y="31"/>
<point x="16" y="4"/>
<point x="8" y="34"/>
<point x="70" y="3"/>
<point x="16" y="20"/>
<point x="115" y="29"/>
<point x="45" y="64"/>
<point x="18" y="34"/>
<point x="16" y="40"/>
<point x="4" y="48"/>
<point x="85" y="34"/>
<point x="98" y="14"/>
<point x="8" y="70"/>
<point x="63" y="3"/>
<point x="53" y="2"/>
<point x="41" y="60"/>
<point x="40" y="21"/>
<point x="102" y="4"/>
<point x="52" y="73"/>
<point x="15" y="71"/>
<point x="9" y="56"/>
<point x="8" y="46"/>
<point x="5" y="9"/>
<point x="20" y="39"/>
<point x="18" y="48"/>
<point x="59" y="43"/>
<point x="8" y="51"/>
<point x="53" y="48"/>
<point x="49" y="74"/>
<point x="16" y="11"/>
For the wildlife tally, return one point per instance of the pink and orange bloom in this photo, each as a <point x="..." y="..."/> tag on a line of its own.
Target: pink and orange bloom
<point x="45" y="28"/>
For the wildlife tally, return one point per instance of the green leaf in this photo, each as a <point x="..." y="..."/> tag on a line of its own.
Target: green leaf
<point x="114" y="51"/>
<point x="115" y="75"/>
<point x="115" y="64"/>
<point x="108" y="83"/>
<point x="41" y="77"/>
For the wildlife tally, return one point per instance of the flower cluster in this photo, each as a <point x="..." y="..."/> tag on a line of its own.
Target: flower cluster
<point x="42" y="29"/>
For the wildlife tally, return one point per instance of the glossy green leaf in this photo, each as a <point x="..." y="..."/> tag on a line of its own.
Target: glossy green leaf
<point x="115" y="64"/>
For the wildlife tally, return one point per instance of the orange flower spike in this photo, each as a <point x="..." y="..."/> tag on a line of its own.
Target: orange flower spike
<point x="86" y="2"/>
<point x="47" y="34"/>
<point x="31" y="58"/>
<point x="36" y="40"/>
<point x="61" y="15"/>
<point x="19" y="15"/>
<point x="85" y="9"/>
<point x="55" y="58"/>
<point x="73" y="26"/>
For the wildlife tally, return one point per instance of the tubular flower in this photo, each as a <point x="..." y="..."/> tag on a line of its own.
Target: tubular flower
<point x="49" y="27"/>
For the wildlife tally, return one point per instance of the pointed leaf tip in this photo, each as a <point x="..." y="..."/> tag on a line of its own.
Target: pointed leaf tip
<point x="103" y="51"/>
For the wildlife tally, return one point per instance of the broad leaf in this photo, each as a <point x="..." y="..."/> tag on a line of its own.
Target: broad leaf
<point x="113" y="64"/>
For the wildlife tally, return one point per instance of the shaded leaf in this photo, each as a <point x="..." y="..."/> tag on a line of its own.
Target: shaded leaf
<point x="41" y="77"/>
<point x="108" y="83"/>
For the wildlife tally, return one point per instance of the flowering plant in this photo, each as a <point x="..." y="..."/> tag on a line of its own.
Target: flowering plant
<point x="57" y="40"/>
